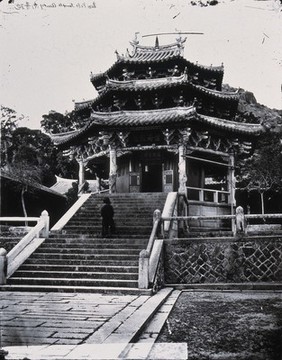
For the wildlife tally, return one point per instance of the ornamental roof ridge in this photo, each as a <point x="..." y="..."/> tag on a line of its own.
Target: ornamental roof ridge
<point x="153" y="53"/>
<point x="176" y="45"/>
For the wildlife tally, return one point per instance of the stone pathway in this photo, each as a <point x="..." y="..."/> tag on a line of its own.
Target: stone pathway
<point x="86" y="326"/>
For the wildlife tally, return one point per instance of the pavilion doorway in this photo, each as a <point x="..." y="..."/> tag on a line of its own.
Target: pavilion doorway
<point x="151" y="177"/>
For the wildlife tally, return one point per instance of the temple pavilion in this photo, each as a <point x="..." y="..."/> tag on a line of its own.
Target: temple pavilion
<point x="161" y="123"/>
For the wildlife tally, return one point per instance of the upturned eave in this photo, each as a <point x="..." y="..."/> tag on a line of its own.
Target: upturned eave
<point x="178" y="116"/>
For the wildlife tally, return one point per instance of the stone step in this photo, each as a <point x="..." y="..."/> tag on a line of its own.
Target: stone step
<point x="80" y="268"/>
<point x="121" y="209"/>
<point x="85" y="220"/>
<point x="77" y="262"/>
<point x="142" y="195"/>
<point x="120" y="230"/>
<point x="88" y="237"/>
<point x="87" y="240"/>
<point x="78" y="258"/>
<point x="78" y="274"/>
<point x="71" y="282"/>
<point x="85" y="257"/>
<point x="92" y="246"/>
<point x="89" y="251"/>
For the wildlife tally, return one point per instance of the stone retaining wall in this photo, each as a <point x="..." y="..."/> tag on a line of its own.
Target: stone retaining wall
<point x="256" y="259"/>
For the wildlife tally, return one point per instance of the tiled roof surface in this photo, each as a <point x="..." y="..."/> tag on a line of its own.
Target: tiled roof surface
<point x="218" y="94"/>
<point x="231" y="126"/>
<point x="62" y="137"/>
<point x="148" y="84"/>
<point x="131" y="119"/>
<point x="149" y="59"/>
<point x="83" y="104"/>
<point x="145" y="84"/>
<point x="216" y="68"/>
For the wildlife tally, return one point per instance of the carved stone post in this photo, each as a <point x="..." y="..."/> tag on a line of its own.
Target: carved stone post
<point x="182" y="169"/>
<point x="143" y="276"/>
<point x="45" y="217"/>
<point x="113" y="170"/>
<point x="3" y="266"/>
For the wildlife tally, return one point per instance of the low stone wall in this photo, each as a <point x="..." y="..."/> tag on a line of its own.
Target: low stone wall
<point x="242" y="260"/>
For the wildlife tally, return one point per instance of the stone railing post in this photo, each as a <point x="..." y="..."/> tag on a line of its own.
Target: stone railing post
<point x="240" y="221"/>
<point x="3" y="266"/>
<point x="45" y="217"/>
<point x="157" y="216"/>
<point x="143" y="277"/>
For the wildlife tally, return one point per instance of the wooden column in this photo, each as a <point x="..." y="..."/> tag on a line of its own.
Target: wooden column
<point x="232" y="180"/>
<point x="113" y="170"/>
<point x="182" y="169"/>
<point x="81" y="174"/>
<point x="232" y="186"/>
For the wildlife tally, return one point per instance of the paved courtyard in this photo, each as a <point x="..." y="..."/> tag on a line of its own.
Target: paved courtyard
<point x="58" y="318"/>
<point x="189" y="325"/>
<point x="85" y="326"/>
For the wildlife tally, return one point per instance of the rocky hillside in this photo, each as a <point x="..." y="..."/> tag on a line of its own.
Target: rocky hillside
<point x="249" y="110"/>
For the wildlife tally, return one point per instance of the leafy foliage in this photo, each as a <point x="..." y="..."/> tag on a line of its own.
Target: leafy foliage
<point x="262" y="172"/>
<point x="9" y="122"/>
<point x="55" y="122"/>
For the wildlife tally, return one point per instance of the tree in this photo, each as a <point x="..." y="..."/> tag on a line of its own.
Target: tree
<point x="9" y="122"/>
<point x="262" y="172"/>
<point x="32" y="148"/>
<point x="55" y="122"/>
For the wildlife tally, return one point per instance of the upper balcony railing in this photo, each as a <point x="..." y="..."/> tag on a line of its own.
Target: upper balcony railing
<point x="208" y="195"/>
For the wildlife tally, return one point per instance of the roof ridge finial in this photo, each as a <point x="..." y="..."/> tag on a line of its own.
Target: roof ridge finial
<point x="135" y="41"/>
<point x="157" y="43"/>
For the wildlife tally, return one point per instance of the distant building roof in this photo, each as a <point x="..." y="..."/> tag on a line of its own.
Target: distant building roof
<point x="30" y="183"/>
<point x="62" y="185"/>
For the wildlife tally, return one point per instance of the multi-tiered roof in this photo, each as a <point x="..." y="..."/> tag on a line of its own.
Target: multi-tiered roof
<point x="155" y="86"/>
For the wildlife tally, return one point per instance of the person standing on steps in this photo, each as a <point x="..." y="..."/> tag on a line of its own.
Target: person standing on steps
<point x="107" y="213"/>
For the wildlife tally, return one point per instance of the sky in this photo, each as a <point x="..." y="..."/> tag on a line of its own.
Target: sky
<point x="49" y="47"/>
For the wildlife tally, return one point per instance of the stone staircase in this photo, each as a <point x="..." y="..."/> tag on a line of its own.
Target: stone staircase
<point x="78" y="259"/>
